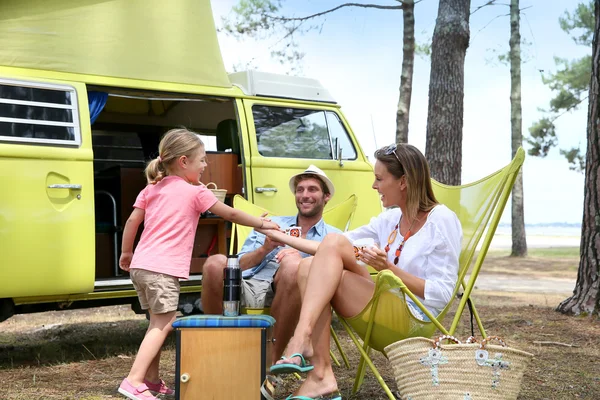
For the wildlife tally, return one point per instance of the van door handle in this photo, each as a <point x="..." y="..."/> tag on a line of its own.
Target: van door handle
<point x="64" y="186"/>
<point x="265" y="189"/>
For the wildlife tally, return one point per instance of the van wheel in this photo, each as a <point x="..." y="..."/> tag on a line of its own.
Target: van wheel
<point x="7" y="309"/>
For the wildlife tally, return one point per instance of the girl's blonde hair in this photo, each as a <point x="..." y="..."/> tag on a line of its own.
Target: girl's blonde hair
<point x="174" y="144"/>
<point x="405" y="159"/>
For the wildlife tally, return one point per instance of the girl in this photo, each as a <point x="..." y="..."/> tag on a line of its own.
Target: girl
<point x="170" y="207"/>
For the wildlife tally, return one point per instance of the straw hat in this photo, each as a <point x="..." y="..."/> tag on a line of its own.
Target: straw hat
<point x="313" y="170"/>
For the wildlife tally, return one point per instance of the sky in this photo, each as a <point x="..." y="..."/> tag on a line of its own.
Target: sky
<point x="357" y="56"/>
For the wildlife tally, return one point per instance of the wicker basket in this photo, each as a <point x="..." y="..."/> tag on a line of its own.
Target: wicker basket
<point x="219" y="193"/>
<point x="424" y="369"/>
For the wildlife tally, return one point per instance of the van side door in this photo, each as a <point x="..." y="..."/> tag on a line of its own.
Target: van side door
<point x="286" y="137"/>
<point x="47" y="193"/>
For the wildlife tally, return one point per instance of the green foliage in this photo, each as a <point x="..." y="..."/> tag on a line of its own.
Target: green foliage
<point x="582" y="19"/>
<point x="501" y="55"/>
<point x="258" y="19"/>
<point x="542" y="137"/>
<point x="250" y="18"/>
<point x="423" y="50"/>
<point x="575" y="158"/>
<point x="570" y="83"/>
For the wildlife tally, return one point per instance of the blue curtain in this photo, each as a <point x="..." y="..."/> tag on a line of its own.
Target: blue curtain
<point x="97" y="101"/>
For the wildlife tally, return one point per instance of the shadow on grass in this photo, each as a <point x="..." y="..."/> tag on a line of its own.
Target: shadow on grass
<point x="73" y="342"/>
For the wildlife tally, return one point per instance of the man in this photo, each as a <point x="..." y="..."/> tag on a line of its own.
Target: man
<point x="269" y="269"/>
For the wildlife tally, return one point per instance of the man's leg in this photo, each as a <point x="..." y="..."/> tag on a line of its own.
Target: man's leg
<point x="286" y="304"/>
<point x="212" y="284"/>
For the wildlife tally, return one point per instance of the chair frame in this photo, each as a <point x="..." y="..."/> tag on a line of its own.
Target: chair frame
<point x="501" y="198"/>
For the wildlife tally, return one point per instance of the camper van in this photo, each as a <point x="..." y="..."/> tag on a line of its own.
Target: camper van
<point x="87" y="88"/>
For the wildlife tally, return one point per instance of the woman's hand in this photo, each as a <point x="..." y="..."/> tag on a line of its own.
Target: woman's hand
<point x="375" y="257"/>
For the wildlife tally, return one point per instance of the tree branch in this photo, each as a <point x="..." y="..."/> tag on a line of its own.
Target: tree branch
<point x="492" y="20"/>
<point x="569" y="109"/>
<point x="489" y="3"/>
<point x="380" y="7"/>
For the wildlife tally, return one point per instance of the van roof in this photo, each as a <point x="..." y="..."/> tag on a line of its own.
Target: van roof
<point x="156" y="40"/>
<point x="255" y="83"/>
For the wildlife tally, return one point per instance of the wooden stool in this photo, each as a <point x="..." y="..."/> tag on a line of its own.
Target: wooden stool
<point x="222" y="357"/>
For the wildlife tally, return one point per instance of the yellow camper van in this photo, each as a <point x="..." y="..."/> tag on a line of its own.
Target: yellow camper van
<point x="87" y="87"/>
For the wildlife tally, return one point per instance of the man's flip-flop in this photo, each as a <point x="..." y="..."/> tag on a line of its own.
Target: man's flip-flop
<point x="329" y="396"/>
<point x="290" y="368"/>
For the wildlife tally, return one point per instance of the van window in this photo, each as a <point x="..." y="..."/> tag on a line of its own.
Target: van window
<point x="291" y="132"/>
<point x="337" y="131"/>
<point x="38" y="113"/>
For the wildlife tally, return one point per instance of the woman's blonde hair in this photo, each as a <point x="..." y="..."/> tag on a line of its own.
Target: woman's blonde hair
<point x="174" y="144"/>
<point x="405" y="159"/>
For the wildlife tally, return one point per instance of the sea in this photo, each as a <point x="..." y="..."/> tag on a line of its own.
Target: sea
<point x="540" y="236"/>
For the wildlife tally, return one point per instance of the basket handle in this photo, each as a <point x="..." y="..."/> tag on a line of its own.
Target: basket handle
<point x="436" y="344"/>
<point x="472" y="339"/>
<point x="488" y="339"/>
<point x="211" y="183"/>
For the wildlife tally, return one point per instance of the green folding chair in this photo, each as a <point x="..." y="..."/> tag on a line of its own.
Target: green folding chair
<point x="479" y="206"/>
<point x="339" y="216"/>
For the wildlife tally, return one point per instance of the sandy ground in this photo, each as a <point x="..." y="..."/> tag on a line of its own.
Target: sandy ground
<point x="501" y="241"/>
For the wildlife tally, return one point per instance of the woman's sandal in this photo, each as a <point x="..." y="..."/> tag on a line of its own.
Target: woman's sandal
<point x="290" y="368"/>
<point x="329" y="396"/>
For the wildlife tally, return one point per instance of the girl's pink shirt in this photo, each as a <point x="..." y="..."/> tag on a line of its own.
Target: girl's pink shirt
<point x="172" y="209"/>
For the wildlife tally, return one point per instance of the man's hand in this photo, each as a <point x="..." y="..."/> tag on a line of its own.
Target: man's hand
<point x="125" y="261"/>
<point x="288" y="253"/>
<point x="271" y="244"/>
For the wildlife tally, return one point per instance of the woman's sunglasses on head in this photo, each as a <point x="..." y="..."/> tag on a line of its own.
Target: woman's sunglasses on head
<point x="391" y="149"/>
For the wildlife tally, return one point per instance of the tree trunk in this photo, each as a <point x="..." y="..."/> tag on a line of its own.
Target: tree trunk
<point x="519" y="242"/>
<point x="586" y="298"/>
<point x="406" y="76"/>
<point x="443" y="146"/>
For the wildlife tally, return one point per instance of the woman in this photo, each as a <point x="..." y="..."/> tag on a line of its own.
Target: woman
<point x="420" y="242"/>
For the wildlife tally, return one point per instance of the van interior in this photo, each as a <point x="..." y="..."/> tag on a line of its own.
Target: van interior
<point x="125" y="136"/>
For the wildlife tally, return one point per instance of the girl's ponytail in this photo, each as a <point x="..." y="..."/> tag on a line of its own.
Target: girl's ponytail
<point x="155" y="171"/>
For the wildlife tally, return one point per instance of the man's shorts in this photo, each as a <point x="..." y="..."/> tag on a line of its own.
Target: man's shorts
<point x="157" y="292"/>
<point x="257" y="293"/>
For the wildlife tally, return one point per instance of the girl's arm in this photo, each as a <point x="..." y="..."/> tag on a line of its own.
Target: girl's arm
<point x="131" y="228"/>
<point x="239" y="217"/>
<point x="304" y="245"/>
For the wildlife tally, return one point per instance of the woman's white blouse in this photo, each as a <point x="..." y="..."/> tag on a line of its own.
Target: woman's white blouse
<point x="430" y="254"/>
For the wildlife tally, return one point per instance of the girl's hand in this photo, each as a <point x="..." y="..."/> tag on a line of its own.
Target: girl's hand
<point x="125" y="261"/>
<point x="274" y="234"/>
<point x="375" y="257"/>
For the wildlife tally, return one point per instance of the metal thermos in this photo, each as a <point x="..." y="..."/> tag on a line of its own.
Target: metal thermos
<point x="232" y="287"/>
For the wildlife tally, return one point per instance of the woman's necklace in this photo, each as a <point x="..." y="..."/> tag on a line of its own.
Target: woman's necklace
<point x="392" y="237"/>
